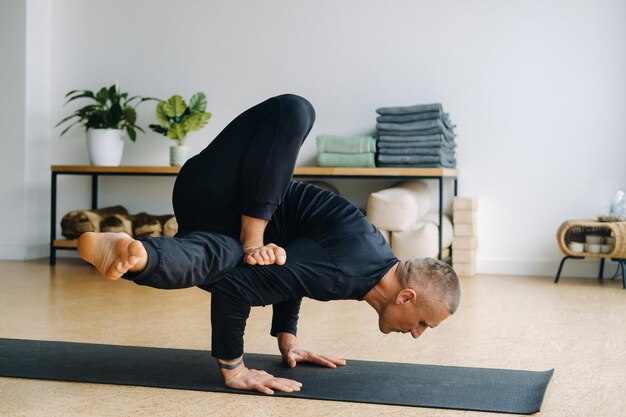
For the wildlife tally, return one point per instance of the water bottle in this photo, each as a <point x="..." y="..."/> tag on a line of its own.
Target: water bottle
<point x="618" y="207"/>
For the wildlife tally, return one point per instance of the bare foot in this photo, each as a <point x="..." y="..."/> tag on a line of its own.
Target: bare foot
<point x="113" y="254"/>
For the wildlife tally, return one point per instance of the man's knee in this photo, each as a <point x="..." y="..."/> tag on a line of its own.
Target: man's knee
<point x="297" y="108"/>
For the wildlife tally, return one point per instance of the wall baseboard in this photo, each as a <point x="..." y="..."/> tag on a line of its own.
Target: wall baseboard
<point x="585" y="268"/>
<point x="23" y="252"/>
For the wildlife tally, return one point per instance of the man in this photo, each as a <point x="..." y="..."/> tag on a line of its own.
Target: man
<point x="224" y="199"/>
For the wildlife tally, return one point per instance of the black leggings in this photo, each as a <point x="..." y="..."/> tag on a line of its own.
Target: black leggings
<point x="245" y="170"/>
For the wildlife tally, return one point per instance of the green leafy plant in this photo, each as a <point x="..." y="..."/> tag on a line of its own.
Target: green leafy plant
<point x="176" y="118"/>
<point x="110" y="110"/>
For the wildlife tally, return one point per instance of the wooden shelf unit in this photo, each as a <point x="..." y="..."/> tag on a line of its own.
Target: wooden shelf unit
<point x="300" y="172"/>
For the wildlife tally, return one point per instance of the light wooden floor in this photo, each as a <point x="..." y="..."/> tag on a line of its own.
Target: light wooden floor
<point x="577" y="327"/>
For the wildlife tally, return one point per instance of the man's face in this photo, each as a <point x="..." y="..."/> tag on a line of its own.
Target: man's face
<point x="408" y="314"/>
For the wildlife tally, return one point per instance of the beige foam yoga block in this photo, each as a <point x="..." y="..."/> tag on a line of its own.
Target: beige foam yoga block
<point x="463" y="256"/>
<point x="464" y="216"/>
<point x="397" y="208"/>
<point x="422" y="239"/>
<point x="465" y="230"/>
<point x="464" y="243"/>
<point x="465" y="203"/>
<point x="464" y="269"/>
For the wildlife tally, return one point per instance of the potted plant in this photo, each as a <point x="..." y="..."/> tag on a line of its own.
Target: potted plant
<point x="110" y="115"/>
<point x="176" y="119"/>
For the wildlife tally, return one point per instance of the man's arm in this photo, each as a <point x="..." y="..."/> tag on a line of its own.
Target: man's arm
<point x="229" y="314"/>
<point x="285" y="317"/>
<point x="310" y="272"/>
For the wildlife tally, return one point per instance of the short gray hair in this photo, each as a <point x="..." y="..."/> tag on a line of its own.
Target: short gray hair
<point x="432" y="275"/>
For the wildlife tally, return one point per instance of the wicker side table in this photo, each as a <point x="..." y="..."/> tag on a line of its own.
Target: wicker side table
<point x="576" y="230"/>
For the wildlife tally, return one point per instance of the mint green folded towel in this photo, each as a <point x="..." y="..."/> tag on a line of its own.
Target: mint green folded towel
<point x="332" y="159"/>
<point x="346" y="144"/>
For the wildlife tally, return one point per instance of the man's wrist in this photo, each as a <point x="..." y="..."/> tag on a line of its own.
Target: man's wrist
<point x="286" y="341"/>
<point x="223" y="364"/>
<point x="230" y="368"/>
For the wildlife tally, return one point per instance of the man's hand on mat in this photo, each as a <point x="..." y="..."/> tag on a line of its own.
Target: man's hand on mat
<point x="292" y="354"/>
<point x="264" y="255"/>
<point x="253" y="380"/>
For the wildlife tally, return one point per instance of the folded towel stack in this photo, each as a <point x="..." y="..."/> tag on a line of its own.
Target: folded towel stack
<point x="346" y="151"/>
<point x="415" y="136"/>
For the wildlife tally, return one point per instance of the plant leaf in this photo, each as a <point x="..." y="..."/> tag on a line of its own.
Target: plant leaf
<point x="130" y="115"/>
<point x="161" y="116"/>
<point x="132" y="135"/>
<point x="96" y="120"/>
<point x="70" y="126"/>
<point x="197" y="104"/>
<point x="196" y="121"/>
<point x="174" y="106"/>
<point x="177" y="132"/>
<point x="87" y="94"/>
<point x="102" y="95"/>
<point x="159" y="129"/>
<point x="66" y="119"/>
<point x="114" y="116"/>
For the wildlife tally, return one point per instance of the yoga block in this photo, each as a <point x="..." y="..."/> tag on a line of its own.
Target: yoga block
<point x="397" y="208"/>
<point x="464" y="216"/>
<point x="464" y="243"/>
<point x="465" y="230"/>
<point x="467" y="269"/>
<point x="463" y="256"/>
<point x="465" y="203"/>
<point x="422" y="239"/>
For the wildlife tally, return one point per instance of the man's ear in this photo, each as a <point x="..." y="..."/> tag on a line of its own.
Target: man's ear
<point x="406" y="295"/>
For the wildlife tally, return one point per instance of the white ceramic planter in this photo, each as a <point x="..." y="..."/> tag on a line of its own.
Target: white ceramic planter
<point x="105" y="146"/>
<point x="178" y="155"/>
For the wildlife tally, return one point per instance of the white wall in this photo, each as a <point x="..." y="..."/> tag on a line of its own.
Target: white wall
<point x="37" y="128"/>
<point x="536" y="89"/>
<point x="12" y="115"/>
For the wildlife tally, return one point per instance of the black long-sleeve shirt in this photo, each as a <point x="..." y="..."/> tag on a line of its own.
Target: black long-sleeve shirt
<point x="333" y="253"/>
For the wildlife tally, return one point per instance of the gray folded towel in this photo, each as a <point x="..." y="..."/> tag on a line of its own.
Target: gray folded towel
<point x="419" y="125"/>
<point x="416" y="138"/>
<point x="414" y="159"/>
<point x="411" y="117"/>
<point x="400" y="145"/>
<point x="420" y="165"/>
<point x="418" y="108"/>
<point x="426" y="132"/>
<point x="416" y="151"/>
<point x="416" y="117"/>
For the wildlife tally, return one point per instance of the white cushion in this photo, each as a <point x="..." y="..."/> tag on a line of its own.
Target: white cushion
<point x="421" y="240"/>
<point x="399" y="207"/>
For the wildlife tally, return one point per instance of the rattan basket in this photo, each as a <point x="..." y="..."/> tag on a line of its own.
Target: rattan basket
<point x="576" y="230"/>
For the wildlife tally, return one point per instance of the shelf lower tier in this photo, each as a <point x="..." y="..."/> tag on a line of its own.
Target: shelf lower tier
<point x="65" y="244"/>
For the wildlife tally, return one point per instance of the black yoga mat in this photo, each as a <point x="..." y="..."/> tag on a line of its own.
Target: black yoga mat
<point x="498" y="390"/>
